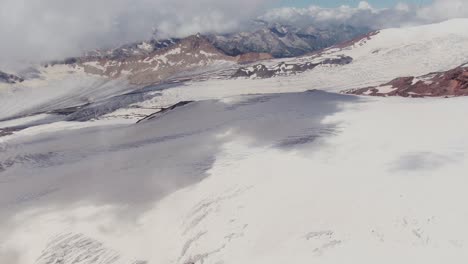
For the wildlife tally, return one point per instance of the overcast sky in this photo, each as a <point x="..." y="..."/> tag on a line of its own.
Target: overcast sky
<point x="38" y="30"/>
<point x="336" y="3"/>
<point x="365" y="14"/>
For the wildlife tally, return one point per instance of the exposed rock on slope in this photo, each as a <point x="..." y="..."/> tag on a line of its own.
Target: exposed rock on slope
<point x="277" y="39"/>
<point x="262" y="71"/>
<point x="189" y="54"/>
<point x="266" y="39"/>
<point x="153" y="64"/>
<point x="449" y="83"/>
<point x="253" y="57"/>
<point x="156" y="61"/>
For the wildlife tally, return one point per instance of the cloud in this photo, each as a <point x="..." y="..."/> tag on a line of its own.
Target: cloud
<point x="38" y="30"/>
<point x="444" y="9"/>
<point x="365" y="15"/>
<point x="51" y="29"/>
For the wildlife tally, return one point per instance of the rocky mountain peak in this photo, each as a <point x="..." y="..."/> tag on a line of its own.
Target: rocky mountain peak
<point x="188" y="54"/>
<point x="197" y="42"/>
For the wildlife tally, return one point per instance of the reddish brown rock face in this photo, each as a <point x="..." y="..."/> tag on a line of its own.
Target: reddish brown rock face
<point x="193" y="53"/>
<point x="253" y="57"/>
<point x="440" y="84"/>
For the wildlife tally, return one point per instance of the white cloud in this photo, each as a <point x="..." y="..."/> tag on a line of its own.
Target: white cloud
<point x="364" y="14"/>
<point x="363" y="5"/>
<point x="51" y="29"/>
<point x="444" y="9"/>
<point x="37" y="30"/>
<point x="403" y="7"/>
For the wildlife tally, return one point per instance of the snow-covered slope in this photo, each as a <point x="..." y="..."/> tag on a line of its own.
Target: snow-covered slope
<point x="56" y="87"/>
<point x="228" y="182"/>
<point x="237" y="170"/>
<point x="93" y="79"/>
<point x="389" y="54"/>
<point x="376" y="60"/>
<point x="82" y="81"/>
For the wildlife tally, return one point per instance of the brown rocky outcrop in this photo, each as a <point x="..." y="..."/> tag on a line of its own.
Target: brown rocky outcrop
<point x="191" y="53"/>
<point x="262" y="71"/>
<point x="253" y="57"/>
<point x="441" y="84"/>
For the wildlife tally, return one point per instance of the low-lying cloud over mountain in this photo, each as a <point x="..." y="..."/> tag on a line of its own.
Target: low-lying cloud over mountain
<point x="37" y="30"/>
<point x="366" y="15"/>
<point x="52" y="29"/>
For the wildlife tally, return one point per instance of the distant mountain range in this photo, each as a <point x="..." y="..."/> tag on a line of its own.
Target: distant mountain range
<point x="239" y="55"/>
<point x="278" y="40"/>
<point x="284" y="40"/>
<point x="154" y="61"/>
